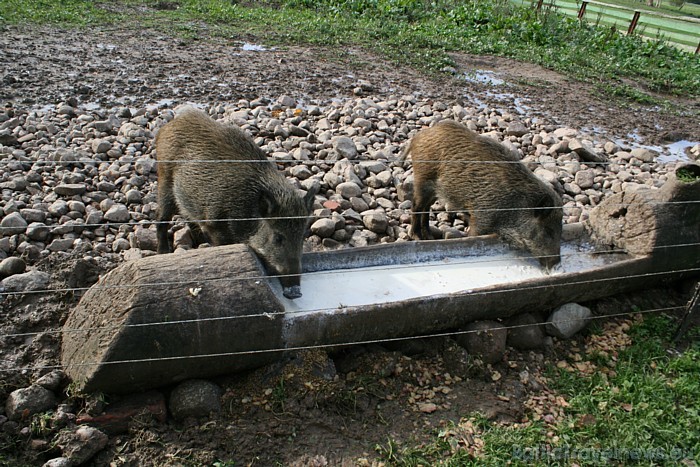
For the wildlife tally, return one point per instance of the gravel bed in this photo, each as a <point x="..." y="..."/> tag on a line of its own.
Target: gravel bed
<point x="84" y="178"/>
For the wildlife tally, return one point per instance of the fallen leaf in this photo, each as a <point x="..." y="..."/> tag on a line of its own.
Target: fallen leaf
<point x="586" y="420"/>
<point x="427" y="407"/>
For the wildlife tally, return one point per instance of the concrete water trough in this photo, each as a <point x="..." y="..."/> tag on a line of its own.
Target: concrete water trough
<point x="212" y="311"/>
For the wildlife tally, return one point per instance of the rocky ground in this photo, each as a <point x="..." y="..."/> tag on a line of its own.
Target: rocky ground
<point x="78" y="194"/>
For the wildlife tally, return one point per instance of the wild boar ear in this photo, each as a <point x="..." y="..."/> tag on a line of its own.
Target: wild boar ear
<point x="542" y="205"/>
<point x="266" y="204"/>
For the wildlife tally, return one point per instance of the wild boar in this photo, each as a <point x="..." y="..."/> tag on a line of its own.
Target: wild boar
<point x="214" y="175"/>
<point x="481" y="176"/>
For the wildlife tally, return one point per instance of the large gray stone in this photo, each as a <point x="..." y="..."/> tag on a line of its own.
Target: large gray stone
<point x="286" y="101"/>
<point x="485" y="340"/>
<point x="324" y="228"/>
<point x="144" y="239"/>
<point x="33" y="215"/>
<point x="345" y="147"/>
<point x="525" y="332"/>
<point x="644" y="154"/>
<point x="59" y="462"/>
<point x="80" y="446"/>
<point x="70" y="189"/>
<point x="567" y="320"/>
<point x="61" y="244"/>
<point x="26" y="282"/>
<point x="11" y="266"/>
<point x="51" y="381"/>
<point x="376" y="221"/>
<point x="38" y="231"/>
<point x="101" y="146"/>
<point x="348" y="190"/>
<point x="584" y="178"/>
<point x="58" y="208"/>
<point x="25" y="402"/>
<point x="585" y="151"/>
<point x="117" y="213"/>
<point x="516" y="129"/>
<point x="195" y="398"/>
<point x="12" y="224"/>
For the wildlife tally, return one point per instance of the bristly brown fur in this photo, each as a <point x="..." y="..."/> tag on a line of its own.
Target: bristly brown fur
<point x="208" y="171"/>
<point x="481" y="176"/>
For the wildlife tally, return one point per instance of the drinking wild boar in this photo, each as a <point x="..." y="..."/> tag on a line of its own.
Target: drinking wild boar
<point x="215" y="174"/>
<point x="477" y="174"/>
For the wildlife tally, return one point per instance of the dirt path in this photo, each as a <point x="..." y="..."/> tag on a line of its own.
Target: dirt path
<point x="125" y="67"/>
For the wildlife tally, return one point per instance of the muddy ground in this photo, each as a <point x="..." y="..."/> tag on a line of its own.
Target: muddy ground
<point x="303" y="412"/>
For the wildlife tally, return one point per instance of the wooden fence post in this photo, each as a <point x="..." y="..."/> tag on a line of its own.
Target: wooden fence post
<point x="633" y="24"/>
<point x="582" y="10"/>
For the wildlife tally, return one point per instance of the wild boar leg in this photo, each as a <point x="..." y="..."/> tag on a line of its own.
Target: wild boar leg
<point x="166" y="210"/>
<point x="423" y="198"/>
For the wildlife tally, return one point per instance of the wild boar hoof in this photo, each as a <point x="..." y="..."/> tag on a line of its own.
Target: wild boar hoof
<point x="292" y="292"/>
<point x="550" y="262"/>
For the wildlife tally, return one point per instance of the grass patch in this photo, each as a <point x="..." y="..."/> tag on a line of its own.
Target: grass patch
<point x="625" y="401"/>
<point x="64" y="12"/>
<point x="418" y="33"/>
<point x="688" y="174"/>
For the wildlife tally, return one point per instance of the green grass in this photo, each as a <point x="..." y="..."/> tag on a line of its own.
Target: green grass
<point x="418" y="33"/>
<point x="649" y="402"/>
<point x="66" y="12"/>
<point x="687" y="175"/>
<point x="644" y="409"/>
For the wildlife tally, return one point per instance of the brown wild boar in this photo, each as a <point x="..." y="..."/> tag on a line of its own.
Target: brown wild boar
<point x="244" y="201"/>
<point x="481" y="176"/>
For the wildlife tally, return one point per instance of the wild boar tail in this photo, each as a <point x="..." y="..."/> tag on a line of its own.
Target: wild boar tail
<point x="405" y="152"/>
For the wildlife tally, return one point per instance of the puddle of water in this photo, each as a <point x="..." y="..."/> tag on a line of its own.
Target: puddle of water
<point x="634" y="136"/>
<point x="521" y="108"/>
<point x="90" y="106"/>
<point x="477" y="103"/>
<point x="483" y="77"/>
<point x="503" y="96"/>
<point x="676" y="152"/>
<point x="165" y="103"/>
<point x="253" y="47"/>
<point x="594" y="131"/>
<point x="517" y="102"/>
<point x="673" y="152"/>
<point x="329" y="290"/>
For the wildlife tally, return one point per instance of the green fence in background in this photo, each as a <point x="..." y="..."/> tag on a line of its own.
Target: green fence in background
<point x="678" y="30"/>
